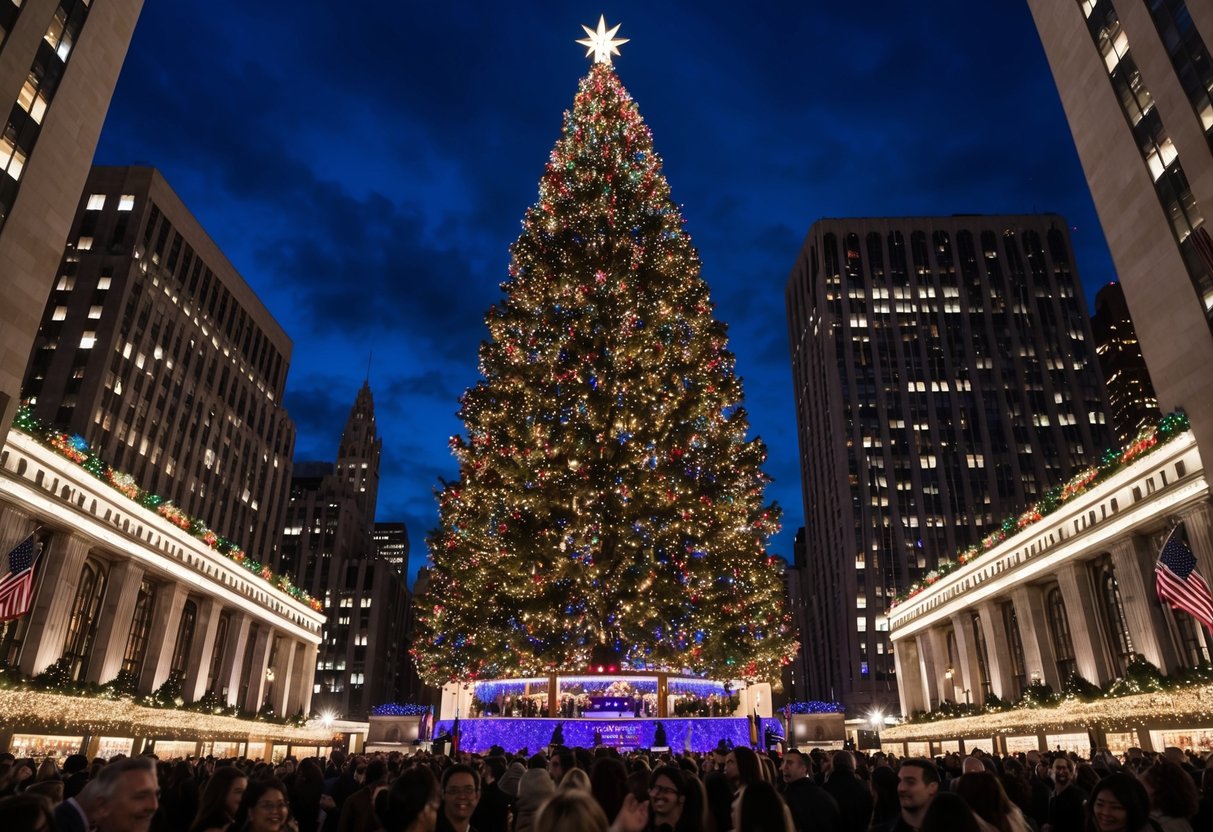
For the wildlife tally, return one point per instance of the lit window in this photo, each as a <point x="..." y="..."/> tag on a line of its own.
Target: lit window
<point x="88" y="340"/>
<point x="95" y="202"/>
<point x="85" y="244"/>
<point x="126" y="202"/>
<point x="66" y="283"/>
<point x="60" y="313"/>
<point x="94" y="312"/>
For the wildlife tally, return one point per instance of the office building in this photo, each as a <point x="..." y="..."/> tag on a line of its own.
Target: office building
<point x="155" y="350"/>
<point x="392" y="545"/>
<point x="59" y="62"/>
<point x="1136" y="82"/>
<point x="1131" y="398"/>
<point x="329" y="548"/>
<point x="945" y="376"/>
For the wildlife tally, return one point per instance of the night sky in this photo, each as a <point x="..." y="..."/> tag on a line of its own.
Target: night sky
<point x="365" y="166"/>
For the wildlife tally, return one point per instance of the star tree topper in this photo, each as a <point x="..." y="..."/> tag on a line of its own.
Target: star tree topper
<point x="603" y="43"/>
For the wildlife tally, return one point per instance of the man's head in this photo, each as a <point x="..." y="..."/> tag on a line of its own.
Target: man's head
<point x="972" y="765"/>
<point x="124" y="796"/>
<point x="666" y="791"/>
<point x="843" y="761"/>
<point x="1062" y="772"/>
<point x="730" y="768"/>
<point x="917" y="783"/>
<point x="460" y="794"/>
<point x="795" y="766"/>
<point x="494" y="768"/>
<point x="1174" y="755"/>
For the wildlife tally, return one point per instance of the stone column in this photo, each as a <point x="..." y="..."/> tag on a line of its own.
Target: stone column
<point x="970" y="668"/>
<point x="261" y="658"/>
<point x="930" y="670"/>
<point x="15" y="526"/>
<point x="162" y="637"/>
<point x="303" y="678"/>
<point x="1086" y="618"/>
<point x="114" y="621"/>
<point x="998" y="649"/>
<point x="60" y="563"/>
<point x="201" y="649"/>
<point x="937" y="637"/>
<point x="1199" y="527"/>
<point x="909" y="676"/>
<point x="1133" y="561"/>
<point x="284" y="671"/>
<point x="228" y="682"/>
<point x="1034" y="632"/>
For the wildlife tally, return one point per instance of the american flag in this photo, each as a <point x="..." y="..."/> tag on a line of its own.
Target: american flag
<point x="17" y="585"/>
<point x="1178" y="583"/>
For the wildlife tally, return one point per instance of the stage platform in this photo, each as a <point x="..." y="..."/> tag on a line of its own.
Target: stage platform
<point x="512" y="733"/>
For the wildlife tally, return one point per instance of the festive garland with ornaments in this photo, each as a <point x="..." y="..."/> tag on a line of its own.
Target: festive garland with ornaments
<point x="76" y="449"/>
<point x="1112" y="461"/>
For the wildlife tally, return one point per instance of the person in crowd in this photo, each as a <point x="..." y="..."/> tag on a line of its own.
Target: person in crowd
<point x="575" y="778"/>
<point x="811" y="806"/>
<point x="742" y="768"/>
<point x="759" y="808"/>
<point x="27" y="812"/>
<point x="1066" y="802"/>
<point x="561" y="761"/>
<point x="719" y="800"/>
<point x="948" y="812"/>
<point x="52" y="790"/>
<point x="123" y="796"/>
<point x="534" y="789"/>
<point x="493" y="811"/>
<point x="460" y="794"/>
<point x="985" y="795"/>
<point x="75" y="774"/>
<point x="667" y="798"/>
<point x="72" y="814"/>
<point x="357" y="814"/>
<point x="1118" y="803"/>
<point x="411" y="803"/>
<point x="263" y="806"/>
<point x="917" y="788"/>
<point x="853" y="796"/>
<point x="306" y="794"/>
<point x="178" y="797"/>
<point x="47" y="771"/>
<point x="1203" y="821"/>
<point x="885" y="806"/>
<point x="220" y="800"/>
<point x="571" y="810"/>
<point x="608" y="784"/>
<point x="1172" y="794"/>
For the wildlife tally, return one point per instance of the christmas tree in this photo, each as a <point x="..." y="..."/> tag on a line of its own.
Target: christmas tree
<point x="608" y="496"/>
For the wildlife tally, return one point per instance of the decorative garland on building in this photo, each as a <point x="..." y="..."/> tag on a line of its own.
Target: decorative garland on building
<point x="1111" y="462"/>
<point x="815" y="706"/>
<point x="76" y="449"/>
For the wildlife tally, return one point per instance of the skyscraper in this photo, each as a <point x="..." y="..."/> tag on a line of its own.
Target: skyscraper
<point x="1131" y="396"/>
<point x="944" y="376"/>
<point x="328" y="547"/>
<point x="59" y="62"/>
<point x="392" y="545"/>
<point x="154" y="349"/>
<point x="1136" y="82"/>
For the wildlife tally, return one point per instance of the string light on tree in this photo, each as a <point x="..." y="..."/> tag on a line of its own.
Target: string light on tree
<point x="608" y="495"/>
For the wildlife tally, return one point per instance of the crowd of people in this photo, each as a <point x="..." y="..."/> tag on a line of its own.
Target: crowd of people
<point x="596" y="790"/>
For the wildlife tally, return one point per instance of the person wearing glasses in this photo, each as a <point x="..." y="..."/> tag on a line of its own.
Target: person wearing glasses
<point x="263" y="807"/>
<point x="460" y="794"/>
<point x="667" y="801"/>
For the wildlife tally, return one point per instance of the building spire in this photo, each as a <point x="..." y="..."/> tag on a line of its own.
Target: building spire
<point x="359" y="452"/>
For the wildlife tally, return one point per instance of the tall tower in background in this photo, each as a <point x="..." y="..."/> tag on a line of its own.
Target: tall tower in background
<point x="330" y="548"/>
<point x="154" y="349"/>
<point x="1136" y="82"/>
<point x="59" y="62"/>
<point x="945" y="377"/>
<point x="1131" y="396"/>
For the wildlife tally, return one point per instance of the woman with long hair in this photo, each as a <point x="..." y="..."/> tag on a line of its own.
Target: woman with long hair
<point x="411" y="803"/>
<point x="759" y="808"/>
<point x="1173" y="795"/>
<point x="571" y="810"/>
<point x="949" y="813"/>
<point x="220" y="800"/>
<point x="1118" y="803"/>
<point x="263" y="807"/>
<point x="984" y="794"/>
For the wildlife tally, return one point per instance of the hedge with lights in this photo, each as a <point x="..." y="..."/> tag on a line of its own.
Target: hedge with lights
<point x="77" y="450"/>
<point x="1112" y="461"/>
<point x="608" y="496"/>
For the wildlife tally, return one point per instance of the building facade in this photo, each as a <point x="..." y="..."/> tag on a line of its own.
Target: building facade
<point x="392" y="545"/>
<point x="1132" y="401"/>
<point x="1070" y="594"/>
<point x="155" y="350"/>
<point x="944" y="374"/>
<point x="122" y="595"/>
<point x="1135" y="79"/>
<point x="329" y="548"/>
<point x="59" y="62"/>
